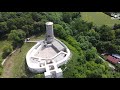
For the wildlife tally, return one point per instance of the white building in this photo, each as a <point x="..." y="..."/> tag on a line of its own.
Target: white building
<point x="47" y="55"/>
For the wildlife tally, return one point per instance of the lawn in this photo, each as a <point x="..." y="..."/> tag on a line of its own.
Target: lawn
<point x="99" y="18"/>
<point x="15" y="66"/>
<point x="19" y="68"/>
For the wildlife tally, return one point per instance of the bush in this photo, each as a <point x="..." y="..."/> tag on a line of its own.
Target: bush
<point x="17" y="37"/>
<point x="39" y="76"/>
<point x="7" y="49"/>
<point x="98" y="61"/>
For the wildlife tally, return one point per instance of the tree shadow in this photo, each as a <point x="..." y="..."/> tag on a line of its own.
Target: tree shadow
<point x="3" y="38"/>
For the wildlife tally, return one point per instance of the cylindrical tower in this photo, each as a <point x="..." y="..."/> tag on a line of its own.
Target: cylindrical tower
<point x="49" y="32"/>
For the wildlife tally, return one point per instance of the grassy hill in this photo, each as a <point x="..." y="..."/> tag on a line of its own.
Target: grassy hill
<point x="99" y="18"/>
<point x="2" y="43"/>
<point x="14" y="67"/>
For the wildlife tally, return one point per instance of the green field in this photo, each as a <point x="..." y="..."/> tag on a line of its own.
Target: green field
<point x="99" y="18"/>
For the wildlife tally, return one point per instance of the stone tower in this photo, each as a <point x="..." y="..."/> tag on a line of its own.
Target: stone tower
<point x="49" y="32"/>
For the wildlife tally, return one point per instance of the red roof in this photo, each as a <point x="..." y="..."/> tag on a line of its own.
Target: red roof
<point x="112" y="59"/>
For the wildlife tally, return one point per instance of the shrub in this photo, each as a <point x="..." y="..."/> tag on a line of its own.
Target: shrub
<point x="39" y="76"/>
<point x="7" y="49"/>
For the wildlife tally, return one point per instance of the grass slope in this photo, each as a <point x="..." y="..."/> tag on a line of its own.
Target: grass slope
<point x="99" y="18"/>
<point x="15" y="66"/>
<point x="2" y="43"/>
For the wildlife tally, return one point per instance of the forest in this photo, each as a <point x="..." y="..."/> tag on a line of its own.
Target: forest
<point x="85" y="40"/>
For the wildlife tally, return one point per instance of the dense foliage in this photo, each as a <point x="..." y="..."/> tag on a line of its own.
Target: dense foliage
<point x="17" y="37"/>
<point x="7" y="49"/>
<point x="83" y="39"/>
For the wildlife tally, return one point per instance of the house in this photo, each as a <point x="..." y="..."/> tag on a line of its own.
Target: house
<point x="112" y="59"/>
<point x="116" y="55"/>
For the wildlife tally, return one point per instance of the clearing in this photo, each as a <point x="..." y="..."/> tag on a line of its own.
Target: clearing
<point x="99" y="18"/>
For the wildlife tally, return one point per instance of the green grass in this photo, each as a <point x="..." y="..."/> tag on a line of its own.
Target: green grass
<point x="17" y="61"/>
<point x="19" y="68"/>
<point x="99" y="18"/>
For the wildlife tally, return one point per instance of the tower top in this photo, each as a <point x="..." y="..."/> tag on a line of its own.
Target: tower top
<point x="49" y="32"/>
<point x="49" y="23"/>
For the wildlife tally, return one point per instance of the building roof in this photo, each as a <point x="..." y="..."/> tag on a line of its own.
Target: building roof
<point x="116" y="55"/>
<point x="113" y="59"/>
<point x="49" y="23"/>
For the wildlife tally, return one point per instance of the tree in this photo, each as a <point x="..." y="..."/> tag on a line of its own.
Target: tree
<point x="93" y="33"/>
<point x="74" y="43"/>
<point x="1" y="18"/>
<point x="67" y="28"/>
<point x="106" y="46"/>
<point x="98" y="61"/>
<point x="78" y="26"/>
<point x="59" y="31"/>
<point x="86" y="45"/>
<point x="116" y="26"/>
<point x="7" y="49"/>
<point x="117" y="33"/>
<point x="55" y="17"/>
<point x="39" y="27"/>
<point x="36" y="16"/>
<point x="91" y="54"/>
<point x="93" y="40"/>
<point x="11" y="23"/>
<point x="117" y="67"/>
<point x="20" y="22"/>
<point x="11" y="15"/>
<point x="76" y="15"/>
<point x="72" y="67"/>
<point x="94" y="74"/>
<point x="3" y="26"/>
<point x="29" y="30"/>
<point x="67" y="17"/>
<point x="81" y="39"/>
<point x="106" y="33"/>
<point x="17" y="37"/>
<point x="116" y="41"/>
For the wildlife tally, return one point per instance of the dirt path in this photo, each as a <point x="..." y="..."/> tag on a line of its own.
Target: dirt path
<point x="7" y="67"/>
